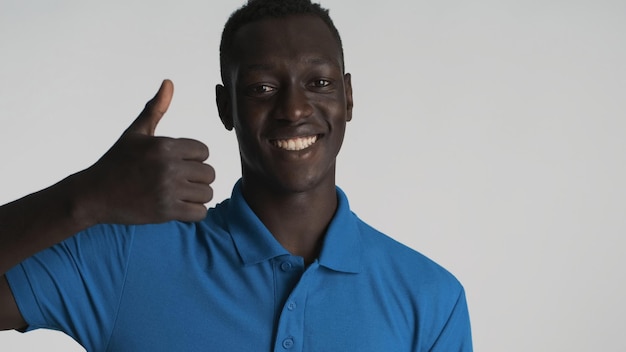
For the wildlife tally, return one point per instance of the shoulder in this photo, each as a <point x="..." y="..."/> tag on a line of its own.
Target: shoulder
<point x="410" y="268"/>
<point x="415" y="287"/>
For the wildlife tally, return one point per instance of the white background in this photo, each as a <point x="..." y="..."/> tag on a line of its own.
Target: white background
<point x="489" y="135"/>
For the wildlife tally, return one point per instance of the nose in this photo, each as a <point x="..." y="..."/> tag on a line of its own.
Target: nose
<point x="294" y="104"/>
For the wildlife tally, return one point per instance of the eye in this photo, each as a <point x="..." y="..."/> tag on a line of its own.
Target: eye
<point x="320" y="83"/>
<point x="264" y="88"/>
<point x="260" y="89"/>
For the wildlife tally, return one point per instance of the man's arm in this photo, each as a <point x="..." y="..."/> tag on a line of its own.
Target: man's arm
<point x="141" y="179"/>
<point x="10" y="318"/>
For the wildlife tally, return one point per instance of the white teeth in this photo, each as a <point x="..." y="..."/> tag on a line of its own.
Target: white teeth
<point x="298" y="143"/>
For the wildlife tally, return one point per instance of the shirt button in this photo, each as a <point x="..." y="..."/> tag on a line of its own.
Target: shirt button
<point x="291" y="305"/>
<point x="286" y="266"/>
<point x="288" y="343"/>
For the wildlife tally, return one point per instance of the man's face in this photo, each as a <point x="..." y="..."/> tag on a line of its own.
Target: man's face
<point x="289" y="102"/>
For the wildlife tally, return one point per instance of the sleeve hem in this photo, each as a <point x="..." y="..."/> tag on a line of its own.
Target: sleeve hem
<point x="25" y="298"/>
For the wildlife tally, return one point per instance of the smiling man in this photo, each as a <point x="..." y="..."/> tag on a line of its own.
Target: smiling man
<point x="283" y="265"/>
<point x="287" y="97"/>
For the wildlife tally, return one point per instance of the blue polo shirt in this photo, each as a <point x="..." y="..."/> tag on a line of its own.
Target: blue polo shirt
<point x="225" y="284"/>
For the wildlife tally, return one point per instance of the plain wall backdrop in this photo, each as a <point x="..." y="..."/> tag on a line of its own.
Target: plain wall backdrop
<point x="488" y="135"/>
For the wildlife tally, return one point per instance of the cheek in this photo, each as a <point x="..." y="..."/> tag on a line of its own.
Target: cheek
<point x="337" y="117"/>
<point x="333" y="106"/>
<point x="247" y="121"/>
<point x="340" y="131"/>
<point x="251" y="116"/>
<point x="245" y="131"/>
<point x="247" y="139"/>
<point x="337" y="124"/>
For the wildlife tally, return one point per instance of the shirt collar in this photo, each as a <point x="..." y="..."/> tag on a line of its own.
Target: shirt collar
<point x="341" y="250"/>
<point x="253" y="240"/>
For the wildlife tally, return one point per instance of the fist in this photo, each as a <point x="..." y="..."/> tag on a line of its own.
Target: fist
<point x="147" y="179"/>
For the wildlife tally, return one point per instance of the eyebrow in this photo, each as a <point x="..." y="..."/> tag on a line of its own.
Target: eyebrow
<point x="320" y="61"/>
<point x="317" y="61"/>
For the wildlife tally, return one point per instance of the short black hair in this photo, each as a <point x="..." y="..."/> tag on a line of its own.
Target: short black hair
<point x="255" y="10"/>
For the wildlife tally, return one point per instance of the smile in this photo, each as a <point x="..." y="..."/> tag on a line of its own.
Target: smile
<point x="295" y="144"/>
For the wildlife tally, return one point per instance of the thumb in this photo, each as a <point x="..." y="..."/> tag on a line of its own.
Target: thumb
<point x="149" y="118"/>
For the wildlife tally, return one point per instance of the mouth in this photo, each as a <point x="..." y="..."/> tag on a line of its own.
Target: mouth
<point x="294" y="144"/>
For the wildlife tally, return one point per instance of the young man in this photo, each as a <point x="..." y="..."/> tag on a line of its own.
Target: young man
<point x="283" y="265"/>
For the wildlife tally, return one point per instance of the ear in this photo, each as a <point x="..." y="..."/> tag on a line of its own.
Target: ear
<point x="347" y="83"/>
<point x="222" y="99"/>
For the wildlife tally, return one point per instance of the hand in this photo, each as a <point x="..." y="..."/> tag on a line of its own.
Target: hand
<point x="147" y="179"/>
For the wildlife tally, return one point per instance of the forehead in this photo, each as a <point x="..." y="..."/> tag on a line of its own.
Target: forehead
<point x="281" y="40"/>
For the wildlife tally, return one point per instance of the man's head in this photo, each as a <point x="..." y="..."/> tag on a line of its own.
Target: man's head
<point x="256" y="10"/>
<point x="286" y="95"/>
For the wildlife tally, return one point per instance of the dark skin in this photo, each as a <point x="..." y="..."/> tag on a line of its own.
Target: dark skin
<point x="288" y="101"/>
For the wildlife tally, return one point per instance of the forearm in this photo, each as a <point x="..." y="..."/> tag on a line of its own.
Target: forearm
<point x="142" y="179"/>
<point x="42" y="219"/>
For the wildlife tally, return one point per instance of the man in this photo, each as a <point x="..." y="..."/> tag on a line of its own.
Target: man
<point x="123" y="256"/>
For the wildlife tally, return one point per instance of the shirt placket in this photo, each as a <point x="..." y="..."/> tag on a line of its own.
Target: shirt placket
<point x="290" y="331"/>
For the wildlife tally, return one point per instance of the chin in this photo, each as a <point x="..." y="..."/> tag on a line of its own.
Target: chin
<point x="291" y="179"/>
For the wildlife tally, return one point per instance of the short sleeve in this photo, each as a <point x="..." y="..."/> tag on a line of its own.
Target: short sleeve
<point x="76" y="285"/>
<point x="456" y="335"/>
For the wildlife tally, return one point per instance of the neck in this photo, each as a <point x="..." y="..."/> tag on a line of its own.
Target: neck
<point x="298" y="220"/>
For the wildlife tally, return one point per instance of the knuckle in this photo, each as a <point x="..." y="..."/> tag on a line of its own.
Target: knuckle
<point x="159" y="173"/>
<point x="163" y="207"/>
<point x="209" y="173"/>
<point x="190" y="212"/>
<point x="204" y="194"/>
<point x="197" y="149"/>
<point x="208" y="195"/>
<point x="156" y="148"/>
<point x="162" y="146"/>
<point x="204" y="151"/>
<point x="197" y="213"/>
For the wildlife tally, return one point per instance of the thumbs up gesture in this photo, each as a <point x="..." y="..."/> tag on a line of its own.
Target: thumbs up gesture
<point x="147" y="179"/>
